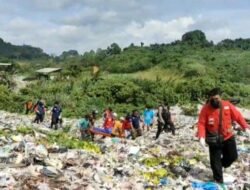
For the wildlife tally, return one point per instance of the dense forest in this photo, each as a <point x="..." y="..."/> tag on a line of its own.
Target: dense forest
<point x="180" y="72"/>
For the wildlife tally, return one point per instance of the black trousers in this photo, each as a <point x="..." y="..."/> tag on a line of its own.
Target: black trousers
<point x="54" y="121"/>
<point x="168" y="126"/>
<point x="39" y="118"/>
<point x="222" y="155"/>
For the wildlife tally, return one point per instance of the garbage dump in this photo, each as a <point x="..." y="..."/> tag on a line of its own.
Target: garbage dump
<point x="32" y="156"/>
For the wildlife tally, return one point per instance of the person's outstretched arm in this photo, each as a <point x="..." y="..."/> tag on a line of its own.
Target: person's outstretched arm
<point x="237" y="116"/>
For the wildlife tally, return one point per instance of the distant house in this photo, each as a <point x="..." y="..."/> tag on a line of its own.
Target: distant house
<point x="47" y="72"/>
<point x="6" y="66"/>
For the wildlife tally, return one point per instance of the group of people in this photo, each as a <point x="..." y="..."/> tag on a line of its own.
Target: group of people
<point x="130" y="126"/>
<point x="215" y="126"/>
<point x="39" y="109"/>
<point x="112" y="126"/>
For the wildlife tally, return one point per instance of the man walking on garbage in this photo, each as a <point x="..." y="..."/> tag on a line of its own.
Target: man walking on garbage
<point x="164" y="120"/>
<point x="40" y="112"/>
<point x="215" y="128"/>
<point x="55" y="115"/>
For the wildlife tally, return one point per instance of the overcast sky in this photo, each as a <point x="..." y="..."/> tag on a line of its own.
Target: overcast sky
<point x="58" y="25"/>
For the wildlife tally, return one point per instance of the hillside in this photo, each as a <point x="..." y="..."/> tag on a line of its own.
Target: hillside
<point x="181" y="73"/>
<point x="9" y="51"/>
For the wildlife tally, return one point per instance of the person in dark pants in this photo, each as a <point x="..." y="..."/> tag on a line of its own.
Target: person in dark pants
<point x="216" y="118"/>
<point x="136" y="128"/>
<point x="55" y="115"/>
<point x="164" y="120"/>
<point x="229" y="151"/>
<point x="40" y="112"/>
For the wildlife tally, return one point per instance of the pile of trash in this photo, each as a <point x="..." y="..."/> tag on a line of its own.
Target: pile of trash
<point x="32" y="156"/>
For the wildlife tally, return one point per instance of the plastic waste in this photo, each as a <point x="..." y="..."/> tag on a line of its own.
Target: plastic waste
<point x="54" y="162"/>
<point x="134" y="150"/>
<point x="115" y="140"/>
<point x="204" y="186"/>
<point x="6" y="180"/>
<point x="43" y="186"/>
<point x="164" y="181"/>
<point x="243" y="149"/>
<point x="228" y="179"/>
<point x="17" y="138"/>
<point x="50" y="171"/>
<point x="41" y="152"/>
<point x="172" y="162"/>
<point x="5" y="152"/>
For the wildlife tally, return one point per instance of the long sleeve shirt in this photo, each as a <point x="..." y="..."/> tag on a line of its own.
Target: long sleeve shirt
<point x="209" y="120"/>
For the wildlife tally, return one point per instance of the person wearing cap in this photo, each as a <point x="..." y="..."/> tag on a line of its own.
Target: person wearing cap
<point x="215" y="120"/>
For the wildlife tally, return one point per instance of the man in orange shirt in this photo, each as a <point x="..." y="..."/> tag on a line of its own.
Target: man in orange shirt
<point x="223" y="152"/>
<point x="117" y="130"/>
<point x="28" y="106"/>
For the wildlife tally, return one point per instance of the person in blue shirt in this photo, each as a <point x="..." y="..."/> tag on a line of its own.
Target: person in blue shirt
<point x="148" y="116"/>
<point x="136" y="128"/>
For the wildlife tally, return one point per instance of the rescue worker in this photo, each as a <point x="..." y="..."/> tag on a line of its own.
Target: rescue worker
<point x="164" y="120"/>
<point x="107" y="125"/>
<point x="215" y="128"/>
<point x="40" y="112"/>
<point x="55" y="115"/>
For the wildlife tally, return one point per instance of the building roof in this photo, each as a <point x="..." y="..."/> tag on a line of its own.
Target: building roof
<point x="48" y="70"/>
<point x="5" y="64"/>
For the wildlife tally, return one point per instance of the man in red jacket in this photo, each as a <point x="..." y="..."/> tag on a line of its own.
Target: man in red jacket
<point x="222" y="154"/>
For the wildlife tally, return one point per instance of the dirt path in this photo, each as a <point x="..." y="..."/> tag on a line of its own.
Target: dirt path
<point x="20" y="83"/>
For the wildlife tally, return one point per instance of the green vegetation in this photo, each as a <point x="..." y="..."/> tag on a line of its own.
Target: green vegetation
<point x="9" y="52"/>
<point x="181" y="73"/>
<point x="61" y="138"/>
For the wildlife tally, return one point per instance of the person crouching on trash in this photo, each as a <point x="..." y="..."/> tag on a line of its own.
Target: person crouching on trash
<point x="84" y="125"/>
<point x="117" y="130"/>
<point x="215" y="129"/>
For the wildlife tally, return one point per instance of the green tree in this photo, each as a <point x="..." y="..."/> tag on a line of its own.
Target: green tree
<point x="195" y="37"/>
<point x="114" y="49"/>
